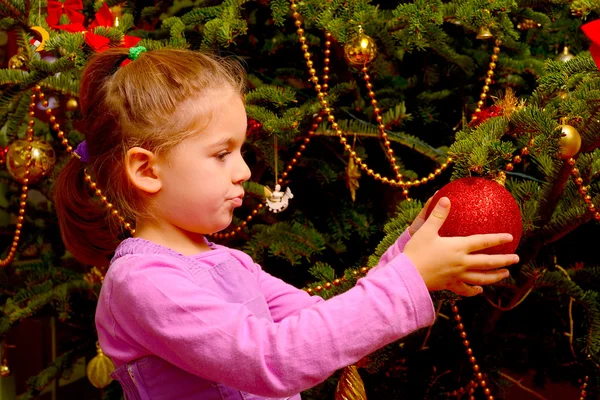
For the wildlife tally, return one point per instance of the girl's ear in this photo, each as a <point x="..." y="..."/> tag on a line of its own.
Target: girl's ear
<point x="141" y="168"/>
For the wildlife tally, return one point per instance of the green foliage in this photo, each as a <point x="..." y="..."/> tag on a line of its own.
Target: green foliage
<point x="286" y="240"/>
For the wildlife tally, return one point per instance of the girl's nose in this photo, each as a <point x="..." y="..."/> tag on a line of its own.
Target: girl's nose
<point x="242" y="172"/>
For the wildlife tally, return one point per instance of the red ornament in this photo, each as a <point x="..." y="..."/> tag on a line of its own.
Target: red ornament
<point x="253" y="127"/>
<point x="484" y="114"/>
<point x="479" y="206"/>
<point x="592" y="31"/>
<point x="3" y="152"/>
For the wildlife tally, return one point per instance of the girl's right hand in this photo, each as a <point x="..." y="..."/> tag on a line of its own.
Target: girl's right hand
<point x="446" y="262"/>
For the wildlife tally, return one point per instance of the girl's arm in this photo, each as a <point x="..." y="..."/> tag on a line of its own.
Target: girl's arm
<point x="285" y="300"/>
<point x="162" y="310"/>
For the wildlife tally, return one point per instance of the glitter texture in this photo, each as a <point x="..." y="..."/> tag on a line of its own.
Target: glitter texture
<point x="480" y="205"/>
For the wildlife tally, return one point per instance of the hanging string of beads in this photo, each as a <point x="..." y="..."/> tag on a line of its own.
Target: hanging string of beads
<point x="583" y="394"/>
<point x="331" y="118"/>
<point x="488" y="79"/>
<point x="570" y="145"/>
<point x="35" y="92"/>
<point x="91" y="184"/>
<point x="479" y="378"/>
<point x="592" y="208"/>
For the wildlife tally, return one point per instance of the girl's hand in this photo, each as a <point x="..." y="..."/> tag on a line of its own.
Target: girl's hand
<point x="446" y="262"/>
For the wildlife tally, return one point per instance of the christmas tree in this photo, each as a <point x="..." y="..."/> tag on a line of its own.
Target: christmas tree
<point x="362" y="110"/>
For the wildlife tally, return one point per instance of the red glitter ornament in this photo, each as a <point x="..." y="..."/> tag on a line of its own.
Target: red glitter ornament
<point x="479" y="206"/>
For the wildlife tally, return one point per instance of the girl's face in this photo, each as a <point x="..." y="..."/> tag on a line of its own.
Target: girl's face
<point x="202" y="178"/>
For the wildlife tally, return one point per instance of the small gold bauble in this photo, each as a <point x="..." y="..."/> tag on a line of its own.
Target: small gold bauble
<point x="42" y="159"/>
<point x="72" y="104"/>
<point x="360" y="51"/>
<point x="484" y="33"/>
<point x="565" y="55"/>
<point x="99" y="369"/>
<point x="4" y="369"/>
<point x="18" y="61"/>
<point x="570" y="141"/>
<point x="350" y="386"/>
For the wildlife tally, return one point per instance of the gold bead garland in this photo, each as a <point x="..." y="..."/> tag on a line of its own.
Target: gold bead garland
<point x="488" y="79"/>
<point x="381" y="126"/>
<point x="331" y="118"/>
<point x="36" y="92"/>
<point x="92" y="185"/>
<point x="592" y="208"/>
<point x="109" y="206"/>
<point x="239" y="228"/>
<point x="479" y="378"/>
<point x="583" y="387"/>
<point x="336" y="282"/>
<point x="518" y="158"/>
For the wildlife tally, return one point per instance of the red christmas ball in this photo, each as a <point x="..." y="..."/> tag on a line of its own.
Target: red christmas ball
<point x="478" y="206"/>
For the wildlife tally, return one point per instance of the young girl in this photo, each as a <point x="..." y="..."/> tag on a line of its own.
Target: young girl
<point x="183" y="318"/>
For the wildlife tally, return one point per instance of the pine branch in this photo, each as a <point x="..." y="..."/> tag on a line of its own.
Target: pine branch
<point x="38" y="383"/>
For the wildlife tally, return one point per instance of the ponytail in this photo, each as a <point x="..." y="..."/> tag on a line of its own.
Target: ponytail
<point x="83" y="222"/>
<point x="86" y="228"/>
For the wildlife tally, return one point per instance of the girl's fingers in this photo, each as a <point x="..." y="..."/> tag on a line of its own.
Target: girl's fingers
<point x="485" y="241"/>
<point x="490" y="261"/>
<point x="463" y="289"/>
<point x="480" y="278"/>
<point x="438" y="215"/>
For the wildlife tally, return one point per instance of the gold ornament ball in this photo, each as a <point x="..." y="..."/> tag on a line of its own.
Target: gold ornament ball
<point x="570" y="141"/>
<point x="4" y="370"/>
<point x="360" y="51"/>
<point x="42" y="159"/>
<point x="99" y="369"/>
<point x="565" y="55"/>
<point x="72" y="104"/>
<point x="18" y="61"/>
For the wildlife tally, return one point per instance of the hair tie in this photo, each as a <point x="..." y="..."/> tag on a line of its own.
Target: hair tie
<point x="82" y="153"/>
<point x="134" y="53"/>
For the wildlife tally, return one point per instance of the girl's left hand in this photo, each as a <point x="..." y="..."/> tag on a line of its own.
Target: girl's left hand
<point x="420" y="220"/>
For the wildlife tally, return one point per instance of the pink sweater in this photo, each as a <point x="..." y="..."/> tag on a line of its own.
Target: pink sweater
<point x="215" y="326"/>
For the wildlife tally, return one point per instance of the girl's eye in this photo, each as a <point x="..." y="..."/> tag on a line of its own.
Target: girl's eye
<point x="221" y="156"/>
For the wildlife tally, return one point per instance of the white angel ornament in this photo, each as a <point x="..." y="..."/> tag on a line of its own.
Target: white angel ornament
<point x="278" y="201"/>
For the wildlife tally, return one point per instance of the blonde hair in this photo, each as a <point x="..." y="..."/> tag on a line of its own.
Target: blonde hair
<point x="141" y="104"/>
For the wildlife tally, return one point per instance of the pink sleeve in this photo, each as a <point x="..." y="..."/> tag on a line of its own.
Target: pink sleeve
<point x="284" y="300"/>
<point x="162" y="309"/>
<point x="393" y="250"/>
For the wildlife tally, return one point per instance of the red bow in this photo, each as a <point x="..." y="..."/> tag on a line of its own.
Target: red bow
<point x="592" y="31"/>
<point x="71" y="27"/>
<point x="70" y="7"/>
<point x="97" y="42"/>
<point x="104" y="17"/>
